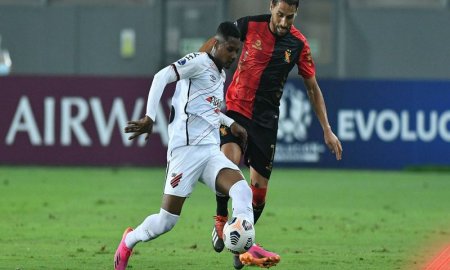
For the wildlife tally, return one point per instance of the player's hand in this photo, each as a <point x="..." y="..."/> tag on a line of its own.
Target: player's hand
<point x="333" y="143"/>
<point x="141" y="126"/>
<point x="240" y="132"/>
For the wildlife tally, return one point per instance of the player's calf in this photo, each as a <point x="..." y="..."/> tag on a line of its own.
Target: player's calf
<point x="258" y="201"/>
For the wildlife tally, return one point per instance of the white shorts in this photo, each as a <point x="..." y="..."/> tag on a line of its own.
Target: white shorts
<point x="188" y="164"/>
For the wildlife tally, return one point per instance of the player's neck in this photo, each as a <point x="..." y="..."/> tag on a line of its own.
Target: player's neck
<point x="216" y="62"/>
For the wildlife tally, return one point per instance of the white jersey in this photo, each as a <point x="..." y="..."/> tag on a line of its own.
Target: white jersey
<point x="195" y="115"/>
<point x="196" y="102"/>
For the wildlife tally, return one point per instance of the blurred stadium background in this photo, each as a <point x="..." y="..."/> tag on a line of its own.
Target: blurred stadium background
<point x="399" y="39"/>
<point x="76" y="70"/>
<point x="72" y="72"/>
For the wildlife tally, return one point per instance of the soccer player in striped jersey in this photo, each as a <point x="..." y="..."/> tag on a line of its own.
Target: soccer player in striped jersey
<point x="272" y="46"/>
<point x="194" y="141"/>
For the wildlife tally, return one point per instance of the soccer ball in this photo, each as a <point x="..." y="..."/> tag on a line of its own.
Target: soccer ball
<point x="238" y="235"/>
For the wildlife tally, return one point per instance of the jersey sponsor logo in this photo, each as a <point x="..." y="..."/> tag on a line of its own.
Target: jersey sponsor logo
<point x="295" y="118"/>
<point x="213" y="78"/>
<point x="257" y="45"/>
<point x="176" y="178"/>
<point x="287" y="56"/>
<point x="217" y="103"/>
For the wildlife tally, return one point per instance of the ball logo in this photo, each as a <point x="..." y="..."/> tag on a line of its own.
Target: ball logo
<point x="249" y="244"/>
<point x="234" y="237"/>
<point x="295" y="115"/>
<point x="247" y="225"/>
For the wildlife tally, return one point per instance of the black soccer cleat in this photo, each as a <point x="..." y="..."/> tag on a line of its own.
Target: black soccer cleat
<point x="237" y="262"/>
<point x="217" y="233"/>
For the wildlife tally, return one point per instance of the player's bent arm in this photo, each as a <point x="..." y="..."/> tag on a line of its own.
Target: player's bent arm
<point x="160" y="80"/>
<point x="236" y="129"/>
<point x="316" y="98"/>
<point x="225" y="120"/>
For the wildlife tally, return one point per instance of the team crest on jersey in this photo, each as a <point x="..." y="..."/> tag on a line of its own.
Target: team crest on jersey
<point x="287" y="56"/>
<point x="217" y="103"/>
<point x="257" y="44"/>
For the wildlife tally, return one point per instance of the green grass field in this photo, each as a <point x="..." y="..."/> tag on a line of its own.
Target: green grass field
<point x="73" y="218"/>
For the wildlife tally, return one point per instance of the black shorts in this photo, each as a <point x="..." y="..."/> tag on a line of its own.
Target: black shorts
<point x="260" y="150"/>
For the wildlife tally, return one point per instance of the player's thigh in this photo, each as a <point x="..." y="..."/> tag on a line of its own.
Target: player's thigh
<point x="260" y="154"/>
<point x="232" y="151"/>
<point x="184" y="168"/>
<point x="220" y="173"/>
<point x="230" y="144"/>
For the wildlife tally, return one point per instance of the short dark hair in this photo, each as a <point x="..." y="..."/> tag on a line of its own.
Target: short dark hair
<point x="228" y="29"/>
<point x="289" y="2"/>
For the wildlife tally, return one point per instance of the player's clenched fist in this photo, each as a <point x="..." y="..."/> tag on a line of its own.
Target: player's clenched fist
<point x="240" y="132"/>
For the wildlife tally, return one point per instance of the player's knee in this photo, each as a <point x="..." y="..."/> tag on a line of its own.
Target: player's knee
<point x="160" y="224"/>
<point x="259" y="195"/>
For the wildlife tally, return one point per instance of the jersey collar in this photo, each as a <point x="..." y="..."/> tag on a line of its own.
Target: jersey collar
<point x="218" y="65"/>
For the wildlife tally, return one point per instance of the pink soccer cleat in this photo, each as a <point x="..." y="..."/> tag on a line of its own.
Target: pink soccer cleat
<point x="258" y="256"/>
<point x="123" y="253"/>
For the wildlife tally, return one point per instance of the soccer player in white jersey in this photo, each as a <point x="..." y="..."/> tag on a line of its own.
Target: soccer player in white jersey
<point x="194" y="142"/>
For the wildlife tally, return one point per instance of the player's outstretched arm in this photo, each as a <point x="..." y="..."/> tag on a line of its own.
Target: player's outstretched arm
<point x="139" y="127"/>
<point x="316" y="99"/>
<point x="145" y="124"/>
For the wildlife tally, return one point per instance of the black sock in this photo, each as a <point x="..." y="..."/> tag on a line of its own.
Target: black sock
<point x="257" y="211"/>
<point x="222" y="205"/>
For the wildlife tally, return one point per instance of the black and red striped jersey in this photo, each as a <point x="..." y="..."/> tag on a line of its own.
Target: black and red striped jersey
<point x="263" y="68"/>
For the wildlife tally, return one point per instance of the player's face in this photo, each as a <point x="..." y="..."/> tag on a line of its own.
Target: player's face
<point x="283" y="16"/>
<point x="228" y="51"/>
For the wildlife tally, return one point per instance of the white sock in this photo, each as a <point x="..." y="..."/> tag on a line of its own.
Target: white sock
<point x="152" y="227"/>
<point x="241" y="196"/>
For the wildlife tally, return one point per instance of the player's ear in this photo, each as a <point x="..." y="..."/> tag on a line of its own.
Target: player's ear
<point x="207" y="46"/>
<point x="216" y="44"/>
